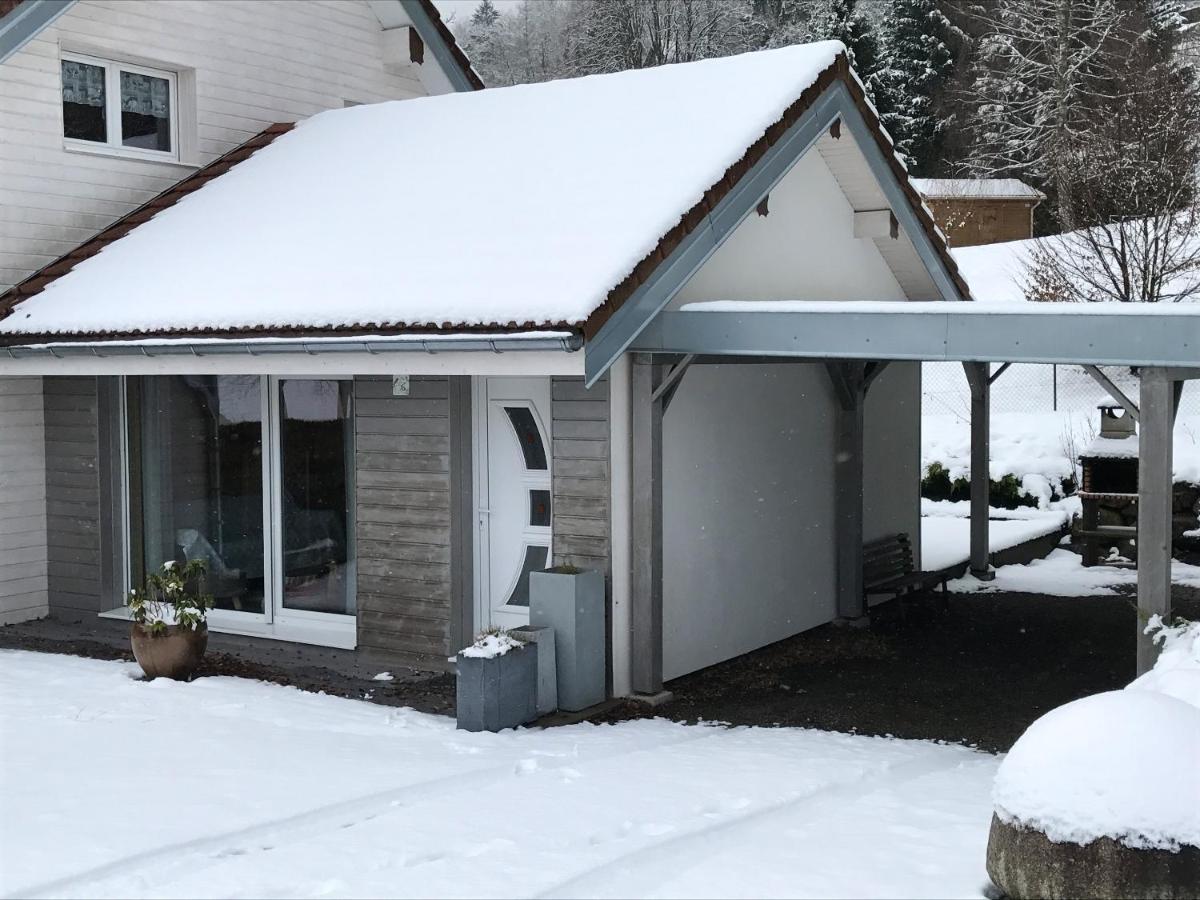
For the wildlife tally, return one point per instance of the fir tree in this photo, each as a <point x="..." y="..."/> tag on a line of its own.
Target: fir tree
<point x="915" y="72"/>
<point x="845" y="22"/>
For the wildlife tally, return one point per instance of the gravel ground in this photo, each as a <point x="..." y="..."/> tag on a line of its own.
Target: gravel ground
<point x="976" y="673"/>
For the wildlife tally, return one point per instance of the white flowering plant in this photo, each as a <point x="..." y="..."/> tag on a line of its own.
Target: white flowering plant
<point x="171" y="596"/>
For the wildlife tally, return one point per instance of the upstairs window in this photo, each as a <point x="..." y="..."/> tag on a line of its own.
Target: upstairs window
<point x="124" y="108"/>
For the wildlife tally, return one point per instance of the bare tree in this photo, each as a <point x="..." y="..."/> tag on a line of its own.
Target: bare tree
<point x="1149" y="260"/>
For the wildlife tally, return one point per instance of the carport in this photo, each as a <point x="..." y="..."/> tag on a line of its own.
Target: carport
<point x="855" y="341"/>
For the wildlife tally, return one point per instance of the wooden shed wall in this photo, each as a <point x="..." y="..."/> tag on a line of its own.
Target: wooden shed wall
<point x="967" y="223"/>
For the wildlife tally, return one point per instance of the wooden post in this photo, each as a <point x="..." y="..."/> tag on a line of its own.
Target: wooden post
<point x="979" y="378"/>
<point x="646" y="612"/>
<point x="1157" y="405"/>
<point x="849" y="387"/>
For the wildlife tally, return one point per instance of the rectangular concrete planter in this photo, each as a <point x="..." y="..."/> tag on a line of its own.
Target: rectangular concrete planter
<point x="547" y="671"/>
<point x="572" y="603"/>
<point x="497" y="693"/>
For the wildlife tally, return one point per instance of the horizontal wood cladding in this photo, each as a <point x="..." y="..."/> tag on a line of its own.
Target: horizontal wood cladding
<point x="72" y="494"/>
<point x="403" y="502"/>
<point x="580" y="438"/>
<point x="970" y="222"/>
<point x="24" y="559"/>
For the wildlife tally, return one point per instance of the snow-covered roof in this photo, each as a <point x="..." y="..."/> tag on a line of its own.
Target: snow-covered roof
<point x="513" y="208"/>
<point x="976" y="189"/>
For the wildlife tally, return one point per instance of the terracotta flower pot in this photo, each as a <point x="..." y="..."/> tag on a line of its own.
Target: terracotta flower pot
<point x="173" y="653"/>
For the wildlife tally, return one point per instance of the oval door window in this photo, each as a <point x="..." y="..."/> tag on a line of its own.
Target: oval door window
<point x="536" y="559"/>
<point x="528" y="436"/>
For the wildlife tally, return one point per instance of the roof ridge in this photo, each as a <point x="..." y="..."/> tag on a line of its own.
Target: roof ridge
<point x="38" y="280"/>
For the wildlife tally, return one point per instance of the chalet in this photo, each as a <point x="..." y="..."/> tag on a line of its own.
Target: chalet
<point x="375" y="382"/>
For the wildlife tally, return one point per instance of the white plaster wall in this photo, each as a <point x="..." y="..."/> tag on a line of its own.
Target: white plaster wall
<point x="804" y="249"/>
<point x="748" y="555"/>
<point x="242" y="64"/>
<point x="23" y="550"/>
<point x="748" y="450"/>
<point x="892" y="455"/>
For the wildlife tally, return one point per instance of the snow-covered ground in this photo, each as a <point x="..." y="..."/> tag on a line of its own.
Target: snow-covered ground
<point x="946" y="529"/>
<point x="112" y="786"/>
<point x="1063" y="574"/>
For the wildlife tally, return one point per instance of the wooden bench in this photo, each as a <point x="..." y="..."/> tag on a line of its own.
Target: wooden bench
<point x="889" y="569"/>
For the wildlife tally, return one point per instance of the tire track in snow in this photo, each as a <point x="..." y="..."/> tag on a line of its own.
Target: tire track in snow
<point x="186" y="857"/>
<point x="631" y="874"/>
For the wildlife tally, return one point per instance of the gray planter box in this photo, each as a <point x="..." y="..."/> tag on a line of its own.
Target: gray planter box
<point x="497" y="693"/>
<point x="573" y="605"/>
<point x="547" y="670"/>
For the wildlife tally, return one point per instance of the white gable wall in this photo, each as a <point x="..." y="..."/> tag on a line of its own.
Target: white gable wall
<point x="749" y="450"/>
<point x="804" y="249"/>
<point x="242" y="64"/>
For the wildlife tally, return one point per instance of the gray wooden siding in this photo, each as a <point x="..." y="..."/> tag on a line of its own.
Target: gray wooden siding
<point x="23" y="555"/>
<point x="580" y="437"/>
<point x="72" y="494"/>
<point x="403" y="499"/>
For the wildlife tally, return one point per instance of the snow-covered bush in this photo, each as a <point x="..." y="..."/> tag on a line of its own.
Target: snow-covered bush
<point x="171" y="596"/>
<point x="1122" y="764"/>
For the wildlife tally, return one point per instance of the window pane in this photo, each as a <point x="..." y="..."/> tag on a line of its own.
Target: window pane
<point x="316" y="485"/>
<point x="83" y="102"/>
<point x="195" y="456"/>
<point x="539" y="508"/>
<point x="528" y="436"/>
<point x="145" y="112"/>
<point x="536" y="559"/>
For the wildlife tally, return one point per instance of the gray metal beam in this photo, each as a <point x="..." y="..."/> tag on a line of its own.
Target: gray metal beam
<point x="437" y="46"/>
<point x="24" y="23"/>
<point x="646" y="615"/>
<point x="850" y="382"/>
<point x="1155" y="489"/>
<point x="980" y="380"/>
<point x="957" y="334"/>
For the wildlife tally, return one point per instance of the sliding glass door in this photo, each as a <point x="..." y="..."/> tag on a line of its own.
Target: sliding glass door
<point x="255" y="476"/>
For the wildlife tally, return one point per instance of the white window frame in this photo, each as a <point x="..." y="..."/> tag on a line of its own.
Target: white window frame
<point x="112" y="146"/>
<point x="275" y="621"/>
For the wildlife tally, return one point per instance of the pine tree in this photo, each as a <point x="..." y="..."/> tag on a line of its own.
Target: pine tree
<point x="913" y="76"/>
<point x="846" y="23"/>
<point x="486" y="15"/>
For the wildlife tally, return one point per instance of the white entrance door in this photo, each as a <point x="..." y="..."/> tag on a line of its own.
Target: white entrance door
<point x="512" y="421"/>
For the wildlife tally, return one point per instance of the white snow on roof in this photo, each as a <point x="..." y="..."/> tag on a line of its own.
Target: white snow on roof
<point x="525" y="204"/>
<point x="976" y="189"/>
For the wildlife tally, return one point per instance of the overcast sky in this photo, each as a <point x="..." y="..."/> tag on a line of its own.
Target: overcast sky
<point x="462" y="9"/>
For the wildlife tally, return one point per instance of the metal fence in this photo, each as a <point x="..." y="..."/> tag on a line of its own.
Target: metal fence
<point x="1034" y="389"/>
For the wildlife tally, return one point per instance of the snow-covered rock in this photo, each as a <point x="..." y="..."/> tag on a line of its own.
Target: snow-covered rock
<point x="1121" y="765"/>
